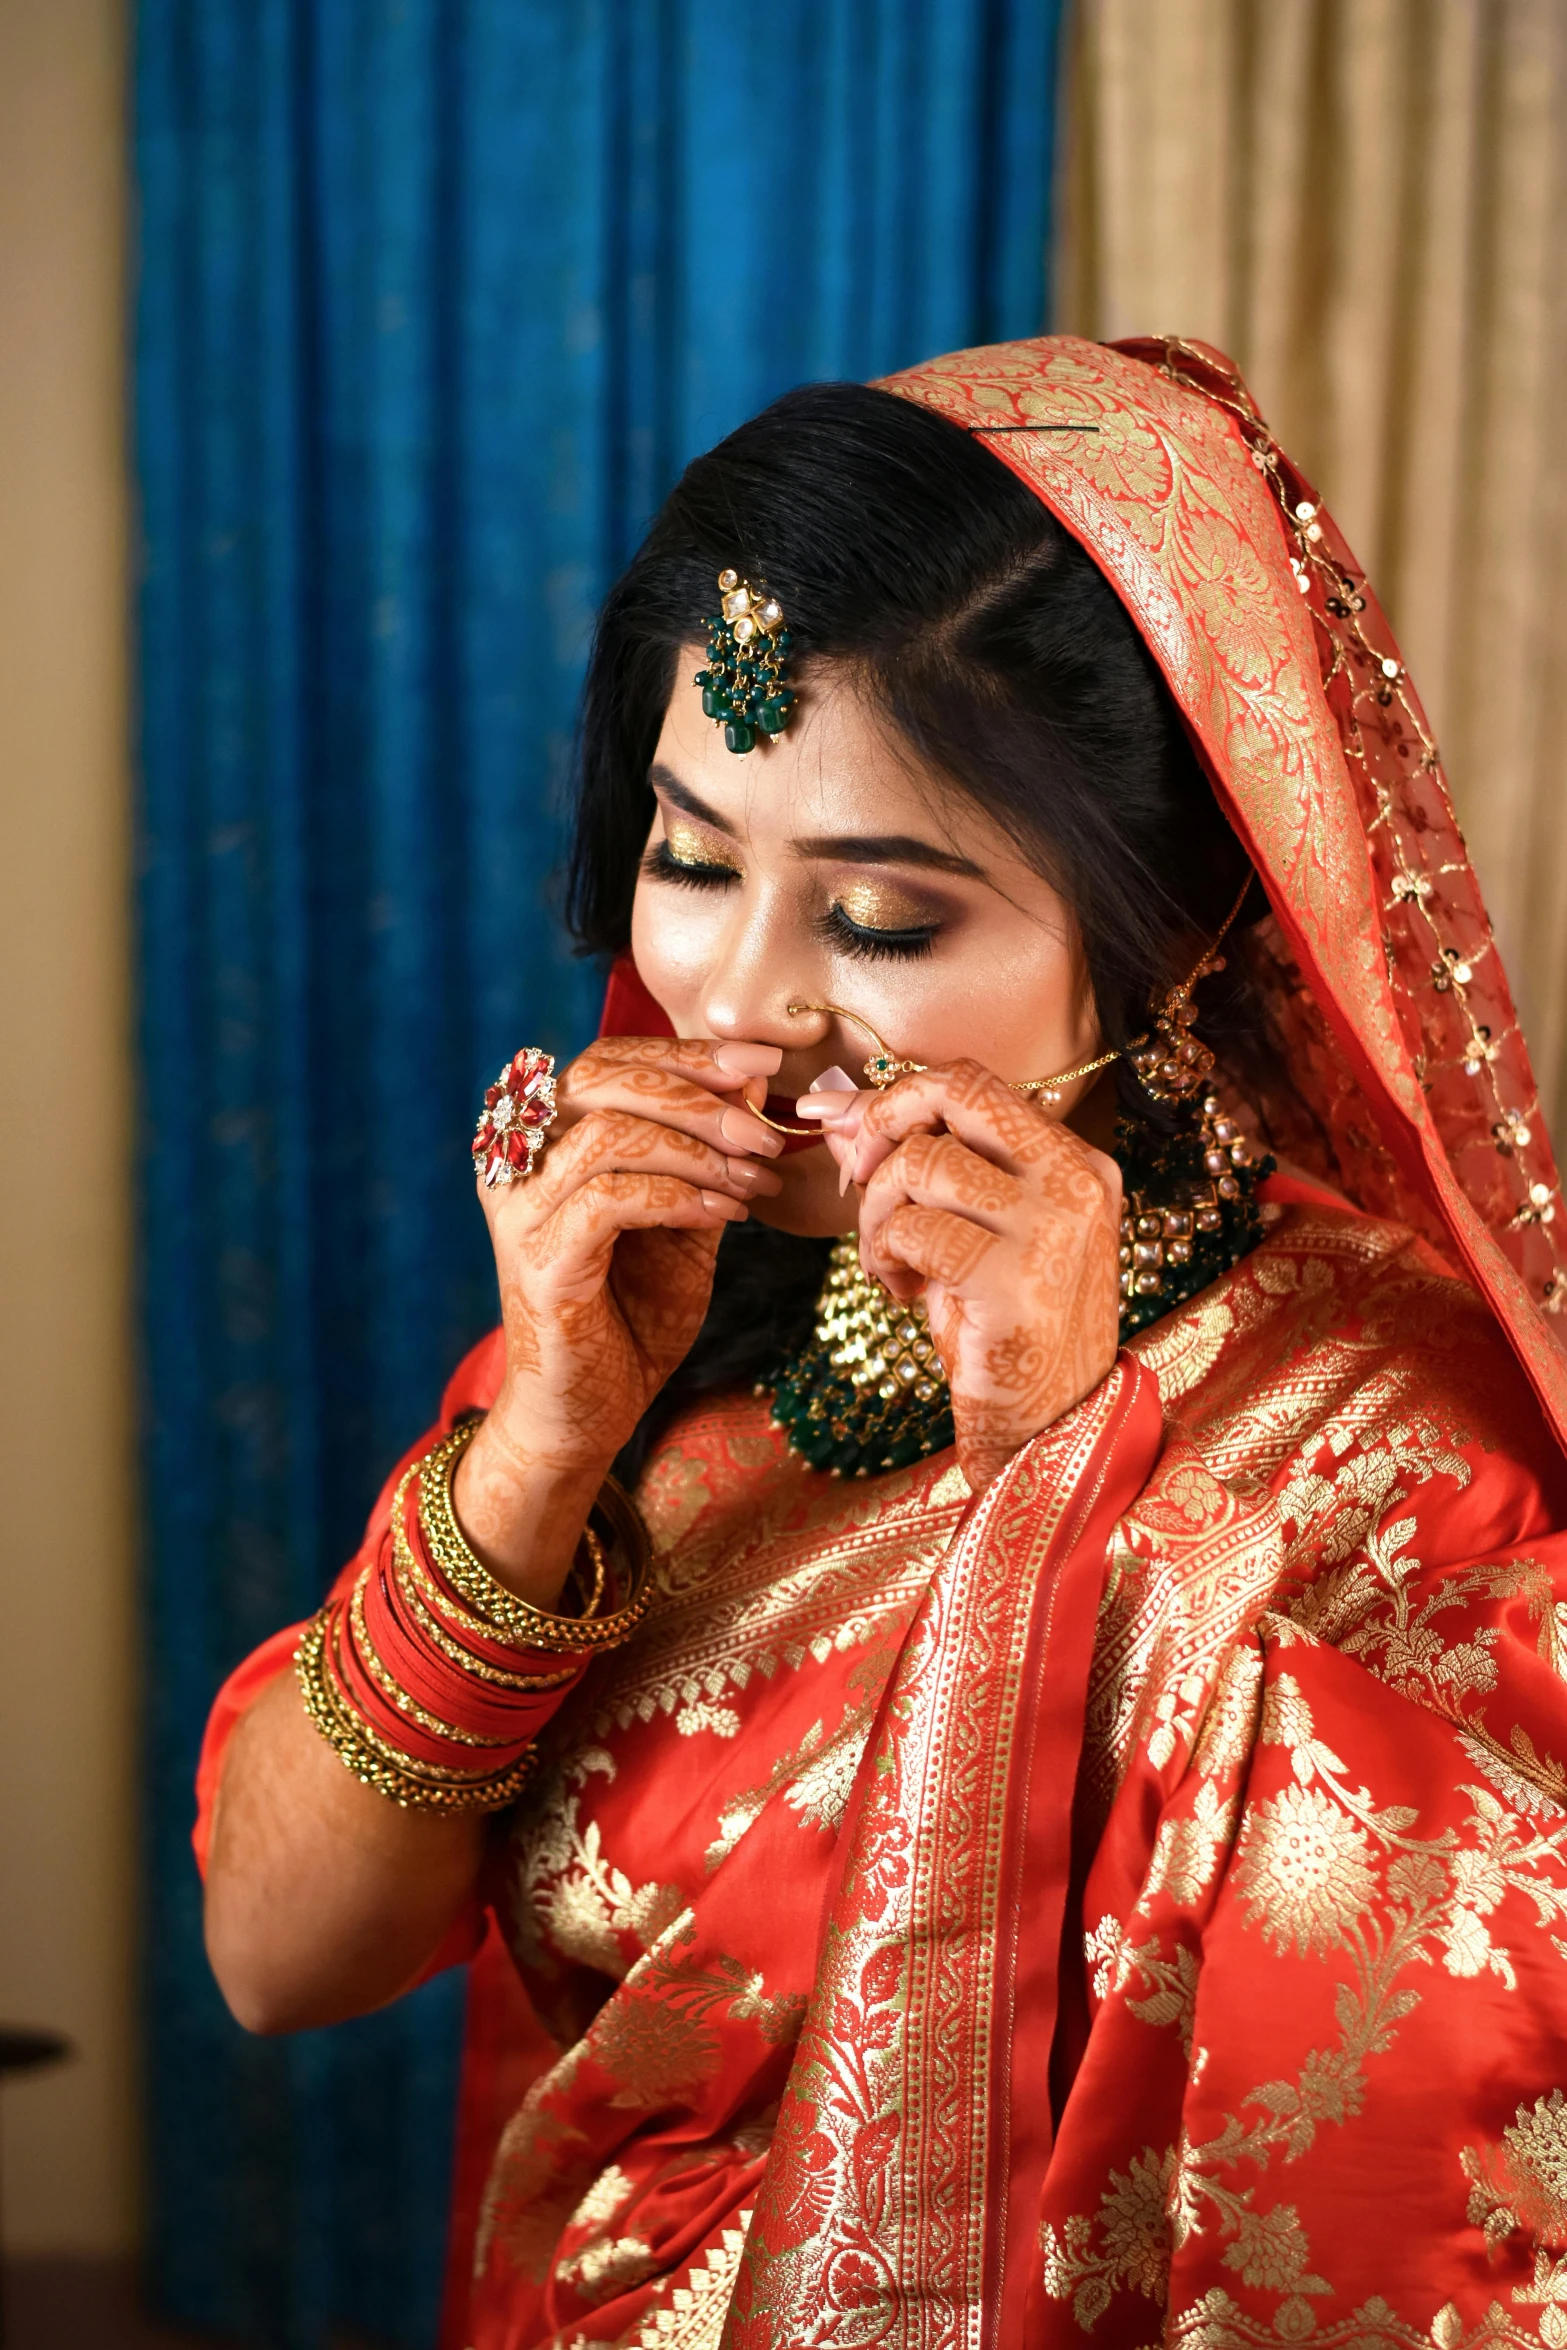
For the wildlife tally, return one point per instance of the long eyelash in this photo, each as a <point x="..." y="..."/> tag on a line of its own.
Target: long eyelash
<point x="663" y="866"/>
<point x="852" y="938"/>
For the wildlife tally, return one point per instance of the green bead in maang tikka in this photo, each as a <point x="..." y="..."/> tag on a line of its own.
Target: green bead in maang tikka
<point x="745" y="686"/>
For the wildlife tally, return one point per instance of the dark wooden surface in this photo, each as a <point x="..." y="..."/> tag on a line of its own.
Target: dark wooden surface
<point x="84" y="2305"/>
<point x="96" y="2305"/>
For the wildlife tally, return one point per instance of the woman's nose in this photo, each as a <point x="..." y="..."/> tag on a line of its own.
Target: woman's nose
<point x="761" y="1018"/>
<point x="749" y="992"/>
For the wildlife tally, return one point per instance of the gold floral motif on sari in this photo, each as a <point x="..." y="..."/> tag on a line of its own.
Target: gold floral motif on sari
<point x="641" y="1919"/>
<point x="1319" y="1868"/>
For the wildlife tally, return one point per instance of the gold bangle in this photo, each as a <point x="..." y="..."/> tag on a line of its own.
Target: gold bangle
<point x="399" y="1782"/>
<point x="424" y="1598"/>
<point x="591" y="1598"/>
<point x="521" y="1623"/>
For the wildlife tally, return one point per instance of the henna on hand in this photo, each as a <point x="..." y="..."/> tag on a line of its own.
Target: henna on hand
<point x="1008" y="1224"/>
<point x="604" y="1259"/>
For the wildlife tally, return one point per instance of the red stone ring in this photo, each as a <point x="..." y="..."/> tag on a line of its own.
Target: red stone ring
<point x="519" y="1108"/>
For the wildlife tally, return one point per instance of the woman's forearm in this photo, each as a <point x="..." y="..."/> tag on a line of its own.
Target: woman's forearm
<point x="323" y="1899"/>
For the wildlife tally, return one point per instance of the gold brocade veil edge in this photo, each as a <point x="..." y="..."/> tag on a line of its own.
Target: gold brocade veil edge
<point x="1412" y="1087"/>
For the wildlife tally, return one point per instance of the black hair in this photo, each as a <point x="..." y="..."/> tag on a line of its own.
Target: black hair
<point x="905" y="552"/>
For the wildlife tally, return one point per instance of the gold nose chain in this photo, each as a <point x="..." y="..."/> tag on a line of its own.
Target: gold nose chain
<point x="885" y="1068"/>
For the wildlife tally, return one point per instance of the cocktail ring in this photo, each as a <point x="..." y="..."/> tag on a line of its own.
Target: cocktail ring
<point x="519" y="1108"/>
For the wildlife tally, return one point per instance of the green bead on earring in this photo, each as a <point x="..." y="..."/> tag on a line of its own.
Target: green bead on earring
<point x="745" y="686"/>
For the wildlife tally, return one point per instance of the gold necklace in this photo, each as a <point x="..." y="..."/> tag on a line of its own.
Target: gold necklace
<point x="867" y="1391"/>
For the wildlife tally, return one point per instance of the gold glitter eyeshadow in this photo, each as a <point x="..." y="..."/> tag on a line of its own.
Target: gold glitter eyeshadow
<point x="876" y="906"/>
<point x="689" y="847"/>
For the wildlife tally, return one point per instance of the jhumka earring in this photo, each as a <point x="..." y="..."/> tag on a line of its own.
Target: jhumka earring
<point x="745" y="686"/>
<point x="1189" y="1204"/>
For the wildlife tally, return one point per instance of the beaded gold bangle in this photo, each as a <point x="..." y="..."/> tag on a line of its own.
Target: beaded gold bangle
<point x="427" y="1603"/>
<point x="374" y="1763"/>
<point x="527" y="1626"/>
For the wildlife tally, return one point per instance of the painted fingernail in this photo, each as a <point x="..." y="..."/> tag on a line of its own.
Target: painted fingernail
<point x="738" y="1126"/>
<point x="825" y="1108"/>
<point x="753" y="1177"/>
<point x="748" y="1060"/>
<point x="833" y="1080"/>
<point x="718" y="1203"/>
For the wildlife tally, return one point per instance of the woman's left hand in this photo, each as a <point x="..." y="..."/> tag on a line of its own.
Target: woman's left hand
<point x="1008" y="1225"/>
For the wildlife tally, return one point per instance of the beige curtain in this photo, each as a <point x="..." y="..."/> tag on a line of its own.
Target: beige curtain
<point x="1365" y="203"/>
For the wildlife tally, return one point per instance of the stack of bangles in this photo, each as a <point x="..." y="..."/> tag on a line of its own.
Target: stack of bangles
<point x="429" y="1678"/>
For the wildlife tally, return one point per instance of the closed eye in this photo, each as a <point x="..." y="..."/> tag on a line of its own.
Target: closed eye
<point x="840" y="930"/>
<point x="661" y="864"/>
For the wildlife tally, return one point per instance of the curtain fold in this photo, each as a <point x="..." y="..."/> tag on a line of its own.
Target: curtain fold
<point x="433" y="301"/>
<point x="1364" y="202"/>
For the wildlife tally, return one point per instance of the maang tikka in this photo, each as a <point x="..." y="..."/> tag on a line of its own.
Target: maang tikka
<point x="745" y="686"/>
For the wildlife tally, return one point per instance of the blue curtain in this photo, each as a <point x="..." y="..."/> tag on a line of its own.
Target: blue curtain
<point x="434" y="299"/>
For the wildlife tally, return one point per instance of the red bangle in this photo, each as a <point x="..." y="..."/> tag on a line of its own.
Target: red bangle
<point x="424" y="1682"/>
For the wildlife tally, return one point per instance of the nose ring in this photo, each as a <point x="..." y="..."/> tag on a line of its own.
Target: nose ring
<point x="884" y="1067"/>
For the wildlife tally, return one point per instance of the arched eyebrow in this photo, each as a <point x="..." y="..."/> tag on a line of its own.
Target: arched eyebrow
<point x="847" y="848"/>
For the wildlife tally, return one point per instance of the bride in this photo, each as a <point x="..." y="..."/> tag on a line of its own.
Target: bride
<point x="977" y="1666"/>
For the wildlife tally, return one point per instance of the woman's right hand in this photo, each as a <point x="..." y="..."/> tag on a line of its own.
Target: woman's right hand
<point x="604" y="1256"/>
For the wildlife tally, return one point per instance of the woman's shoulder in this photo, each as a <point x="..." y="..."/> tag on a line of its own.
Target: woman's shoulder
<point x="1349" y="1445"/>
<point x="1339" y="1324"/>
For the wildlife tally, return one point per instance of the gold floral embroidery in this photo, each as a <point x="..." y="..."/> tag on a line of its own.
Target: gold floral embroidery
<point x="1138" y="2228"/>
<point x="540" y="2169"/>
<point x="1522" y="2184"/>
<point x="1303" y="1872"/>
<point x="609" y="2193"/>
<point x="1102" y="1948"/>
<point x="1277" y="1478"/>
<point x="767" y="1574"/>
<point x="1319" y="1867"/>
<point x="570" y="1894"/>
<point x="700" y="1715"/>
<point x="1215" y="2323"/>
<point x="611" y="2265"/>
<point x="1187" y="1849"/>
<point x="654" y="2050"/>
<point x="816" y="1778"/>
<point x="1172" y="1998"/>
<point x="658" y="2036"/>
<point x="822" y="1790"/>
<point x="1145" y="2215"/>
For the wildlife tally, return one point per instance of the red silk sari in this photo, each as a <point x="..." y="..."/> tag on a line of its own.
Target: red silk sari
<point x="1131" y="1907"/>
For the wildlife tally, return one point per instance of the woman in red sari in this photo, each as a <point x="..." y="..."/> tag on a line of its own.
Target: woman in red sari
<point x="1097" y="1870"/>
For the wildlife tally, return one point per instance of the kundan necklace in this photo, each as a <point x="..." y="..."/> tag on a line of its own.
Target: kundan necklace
<point x="866" y="1392"/>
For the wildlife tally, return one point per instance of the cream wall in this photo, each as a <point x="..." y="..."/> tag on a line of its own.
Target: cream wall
<point x="1365" y="204"/>
<point x="66" y="1621"/>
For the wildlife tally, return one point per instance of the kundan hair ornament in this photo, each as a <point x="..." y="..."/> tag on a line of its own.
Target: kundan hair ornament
<point x="745" y="686"/>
